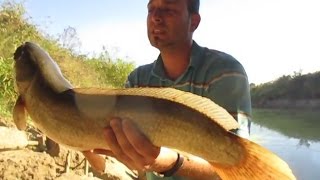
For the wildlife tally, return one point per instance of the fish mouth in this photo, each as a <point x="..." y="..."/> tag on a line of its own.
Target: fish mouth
<point x="19" y="52"/>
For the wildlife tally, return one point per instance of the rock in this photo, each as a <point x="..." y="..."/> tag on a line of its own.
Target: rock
<point x="7" y="122"/>
<point x="11" y="138"/>
<point x="26" y="164"/>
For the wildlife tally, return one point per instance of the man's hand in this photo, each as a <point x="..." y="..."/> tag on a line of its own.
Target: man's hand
<point x="133" y="148"/>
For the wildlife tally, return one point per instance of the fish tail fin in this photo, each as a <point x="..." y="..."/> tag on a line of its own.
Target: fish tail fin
<point x="258" y="163"/>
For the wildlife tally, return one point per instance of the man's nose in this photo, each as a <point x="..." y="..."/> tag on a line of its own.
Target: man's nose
<point x="156" y="16"/>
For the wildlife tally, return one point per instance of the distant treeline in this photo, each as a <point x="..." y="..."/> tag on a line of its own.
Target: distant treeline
<point x="290" y="91"/>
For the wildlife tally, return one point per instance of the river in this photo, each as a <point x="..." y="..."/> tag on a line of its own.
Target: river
<point x="302" y="155"/>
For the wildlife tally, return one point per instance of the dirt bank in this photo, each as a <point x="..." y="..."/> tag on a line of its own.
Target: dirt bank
<point x="35" y="162"/>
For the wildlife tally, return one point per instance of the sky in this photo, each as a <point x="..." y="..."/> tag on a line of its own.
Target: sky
<point x="270" y="38"/>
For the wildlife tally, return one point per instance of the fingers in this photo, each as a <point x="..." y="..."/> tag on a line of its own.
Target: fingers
<point x="112" y="141"/>
<point x="129" y="145"/>
<point x="140" y="142"/>
<point x="126" y="147"/>
<point x="116" y="148"/>
<point x="95" y="160"/>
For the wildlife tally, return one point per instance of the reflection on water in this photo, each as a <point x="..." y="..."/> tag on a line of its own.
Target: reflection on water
<point x="302" y="155"/>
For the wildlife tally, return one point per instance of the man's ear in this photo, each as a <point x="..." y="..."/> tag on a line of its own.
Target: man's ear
<point x="195" y="21"/>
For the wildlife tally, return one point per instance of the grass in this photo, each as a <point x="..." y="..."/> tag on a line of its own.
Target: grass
<point x="302" y="124"/>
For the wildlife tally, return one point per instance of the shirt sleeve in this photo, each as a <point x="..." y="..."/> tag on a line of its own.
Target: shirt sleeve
<point x="231" y="90"/>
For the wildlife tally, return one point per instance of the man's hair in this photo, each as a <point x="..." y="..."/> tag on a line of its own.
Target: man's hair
<point x="193" y="6"/>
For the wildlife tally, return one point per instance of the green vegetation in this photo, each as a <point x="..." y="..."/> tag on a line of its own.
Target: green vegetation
<point x="81" y="70"/>
<point x="302" y="121"/>
<point x="302" y="124"/>
<point x="296" y="87"/>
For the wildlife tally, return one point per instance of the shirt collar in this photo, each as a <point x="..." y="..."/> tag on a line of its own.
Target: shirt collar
<point x="195" y="59"/>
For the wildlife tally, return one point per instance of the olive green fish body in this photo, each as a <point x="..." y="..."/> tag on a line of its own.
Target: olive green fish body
<point x="172" y="118"/>
<point x="76" y="118"/>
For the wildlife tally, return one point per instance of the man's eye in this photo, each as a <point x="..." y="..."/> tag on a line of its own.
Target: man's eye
<point x="169" y="11"/>
<point x="150" y="11"/>
<point x="163" y="11"/>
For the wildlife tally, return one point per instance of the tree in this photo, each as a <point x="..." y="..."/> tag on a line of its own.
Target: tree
<point x="69" y="39"/>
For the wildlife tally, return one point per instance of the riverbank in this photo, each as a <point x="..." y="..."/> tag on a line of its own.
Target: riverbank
<point x="288" y="104"/>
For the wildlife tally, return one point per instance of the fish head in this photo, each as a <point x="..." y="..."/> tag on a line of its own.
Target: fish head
<point x="25" y="69"/>
<point x="31" y="62"/>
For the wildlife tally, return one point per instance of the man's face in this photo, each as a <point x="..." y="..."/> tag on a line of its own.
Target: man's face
<point x="169" y="23"/>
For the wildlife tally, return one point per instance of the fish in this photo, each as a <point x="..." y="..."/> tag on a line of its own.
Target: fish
<point x="75" y="117"/>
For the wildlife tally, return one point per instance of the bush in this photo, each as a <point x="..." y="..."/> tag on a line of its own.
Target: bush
<point x="80" y="70"/>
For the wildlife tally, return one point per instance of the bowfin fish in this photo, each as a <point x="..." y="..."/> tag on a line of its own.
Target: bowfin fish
<point x="171" y="118"/>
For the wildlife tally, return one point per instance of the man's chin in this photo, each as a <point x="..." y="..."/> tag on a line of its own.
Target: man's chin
<point x="159" y="44"/>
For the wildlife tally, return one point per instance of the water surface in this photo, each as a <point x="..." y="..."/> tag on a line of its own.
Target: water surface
<point x="302" y="155"/>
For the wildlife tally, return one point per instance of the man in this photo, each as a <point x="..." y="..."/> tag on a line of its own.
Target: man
<point x="184" y="65"/>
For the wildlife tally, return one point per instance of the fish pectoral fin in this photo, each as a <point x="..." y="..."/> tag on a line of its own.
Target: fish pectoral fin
<point x="19" y="114"/>
<point x="257" y="163"/>
<point x="97" y="161"/>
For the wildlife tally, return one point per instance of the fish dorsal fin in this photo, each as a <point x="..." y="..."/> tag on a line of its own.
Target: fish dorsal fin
<point x="202" y="104"/>
<point x="48" y="68"/>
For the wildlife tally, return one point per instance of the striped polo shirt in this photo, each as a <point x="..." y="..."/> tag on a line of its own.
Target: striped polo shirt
<point x="210" y="73"/>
